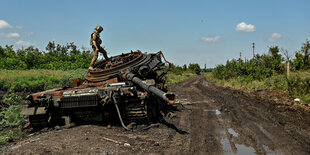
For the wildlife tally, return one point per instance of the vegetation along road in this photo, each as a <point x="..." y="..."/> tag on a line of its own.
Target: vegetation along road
<point x="211" y="120"/>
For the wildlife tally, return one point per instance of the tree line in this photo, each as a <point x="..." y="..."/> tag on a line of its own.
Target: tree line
<point x="56" y="57"/>
<point x="265" y="65"/>
<point x="59" y="57"/>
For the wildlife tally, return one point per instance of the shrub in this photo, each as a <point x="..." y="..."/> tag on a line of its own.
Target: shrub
<point x="11" y="124"/>
<point x="11" y="98"/>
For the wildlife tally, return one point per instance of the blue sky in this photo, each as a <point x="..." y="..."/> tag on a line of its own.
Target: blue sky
<point x="204" y="32"/>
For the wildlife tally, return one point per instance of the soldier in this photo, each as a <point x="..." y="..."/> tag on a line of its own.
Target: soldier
<point x="95" y="42"/>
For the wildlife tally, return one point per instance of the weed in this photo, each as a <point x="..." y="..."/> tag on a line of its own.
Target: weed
<point x="11" y="124"/>
<point x="11" y="98"/>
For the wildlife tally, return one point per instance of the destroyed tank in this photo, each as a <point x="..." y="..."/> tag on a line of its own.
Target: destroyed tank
<point x="129" y="87"/>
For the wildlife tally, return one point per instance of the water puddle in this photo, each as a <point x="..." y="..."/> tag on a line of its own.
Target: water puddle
<point x="233" y="132"/>
<point x="230" y="147"/>
<point x="244" y="150"/>
<point x="217" y="112"/>
<point x="270" y="152"/>
<point x="226" y="145"/>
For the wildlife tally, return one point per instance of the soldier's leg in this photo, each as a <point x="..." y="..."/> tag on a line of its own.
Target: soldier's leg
<point x="94" y="59"/>
<point x="104" y="52"/>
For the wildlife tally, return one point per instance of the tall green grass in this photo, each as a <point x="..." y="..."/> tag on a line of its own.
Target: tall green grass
<point x="41" y="79"/>
<point x="11" y="124"/>
<point x="37" y="80"/>
<point x="297" y="85"/>
<point x="175" y="78"/>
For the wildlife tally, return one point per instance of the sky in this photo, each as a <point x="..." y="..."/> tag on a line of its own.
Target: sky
<point x="199" y="31"/>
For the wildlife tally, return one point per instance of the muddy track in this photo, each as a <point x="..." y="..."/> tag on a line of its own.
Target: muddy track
<point x="215" y="120"/>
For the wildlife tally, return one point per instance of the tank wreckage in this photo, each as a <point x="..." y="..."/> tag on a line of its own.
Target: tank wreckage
<point x="130" y="87"/>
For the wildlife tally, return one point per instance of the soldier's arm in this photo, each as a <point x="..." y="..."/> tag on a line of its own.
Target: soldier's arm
<point x="95" y="44"/>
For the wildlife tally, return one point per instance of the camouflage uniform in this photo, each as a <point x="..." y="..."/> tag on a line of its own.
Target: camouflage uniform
<point x="95" y="36"/>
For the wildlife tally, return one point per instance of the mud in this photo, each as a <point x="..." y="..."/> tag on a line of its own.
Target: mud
<point x="212" y="120"/>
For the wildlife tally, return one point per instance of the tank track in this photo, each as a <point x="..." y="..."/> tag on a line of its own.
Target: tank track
<point x="39" y="121"/>
<point x="136" y="112"/>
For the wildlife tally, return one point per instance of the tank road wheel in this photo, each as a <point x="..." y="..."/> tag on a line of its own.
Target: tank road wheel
<point x="136" y="112"/>
<point x="39" y="121"/>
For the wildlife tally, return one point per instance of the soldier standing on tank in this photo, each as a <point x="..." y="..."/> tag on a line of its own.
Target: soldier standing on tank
<point x="95" y="42"/>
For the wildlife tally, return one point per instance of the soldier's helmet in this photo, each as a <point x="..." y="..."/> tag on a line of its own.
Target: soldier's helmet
<point x="99" y="28"/>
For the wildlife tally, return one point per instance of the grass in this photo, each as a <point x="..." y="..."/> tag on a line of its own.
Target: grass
<point x="175" y="78"/>
<point x="297" y="85"/>
<point x="37" y="80"/>
<point x="11" y="124"/>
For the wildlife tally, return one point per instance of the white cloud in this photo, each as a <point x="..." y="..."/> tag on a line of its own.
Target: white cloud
<point x="13" y="35"/>
<point x="244" y="27"/>
<point x="23" y="43"/>
<point x="210" y="39"/>
<point x="274" y="37"/>
<point x="4" y="24"/>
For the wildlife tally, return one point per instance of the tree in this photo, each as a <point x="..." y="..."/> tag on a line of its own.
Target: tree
<point x="51" y="48"/>
<point x="302" y="60"/>
<point x="276" y="58"/>
<point x="194" y="68"/>
<point x="305" y="50"/>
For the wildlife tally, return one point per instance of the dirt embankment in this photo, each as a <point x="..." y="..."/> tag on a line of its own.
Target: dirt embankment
<point x="214" y="120"/>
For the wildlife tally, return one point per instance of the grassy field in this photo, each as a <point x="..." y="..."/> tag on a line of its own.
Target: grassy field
<point x="12" y="81"/>
<point x="37" y="80"/>
<point x="175" y="78"/>
<point x="297" y="85"/>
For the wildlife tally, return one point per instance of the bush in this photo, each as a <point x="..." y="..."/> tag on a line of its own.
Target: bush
<point x="194" y="68"/>
<point x="11" y="124"/>
<point x="298" y="86"/>
<point x="11" y="98"/>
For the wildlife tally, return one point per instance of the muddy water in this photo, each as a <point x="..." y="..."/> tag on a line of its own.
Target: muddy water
<point x="231" y="146"/>
<point x="229" y="140"/>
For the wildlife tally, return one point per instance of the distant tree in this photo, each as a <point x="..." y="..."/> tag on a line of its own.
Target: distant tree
<point x="276" y="58"/>
<point x="305" y="50"/>
<point x="184" y="67"/>
<point x="51" y="48"/>
<point x="194" y="68"/>
<point x="1" y="51"/>
<point x="302" y="60"/>
<point x="74" y="50"/>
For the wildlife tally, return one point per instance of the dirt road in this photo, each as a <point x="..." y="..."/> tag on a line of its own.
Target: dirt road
<point x="216" y="121"/>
